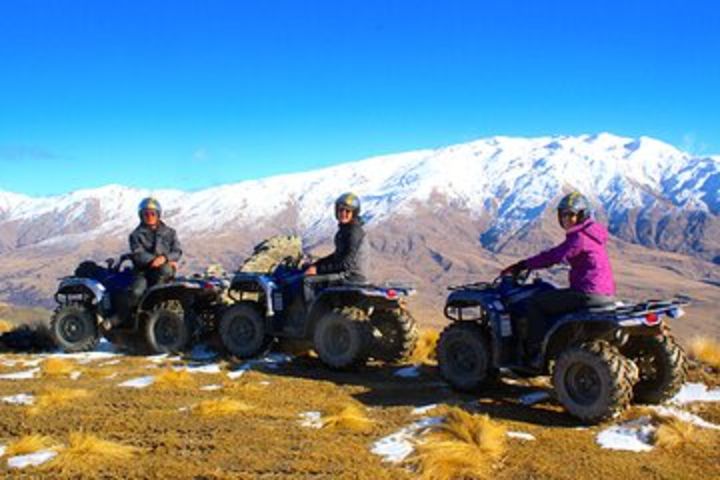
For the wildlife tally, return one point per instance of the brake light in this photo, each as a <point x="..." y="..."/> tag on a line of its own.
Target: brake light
<point x="208" y="286"/>
<point x="391" y="294"/>
<point x="651" y="319"/>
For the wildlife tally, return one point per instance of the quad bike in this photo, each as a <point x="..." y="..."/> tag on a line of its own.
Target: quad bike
<point x="345" y="323"/>
<point x="600" y="358"/>
<point x="94" y="303"/>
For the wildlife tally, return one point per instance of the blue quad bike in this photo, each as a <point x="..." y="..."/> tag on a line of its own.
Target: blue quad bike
<point x="600" y="358"/>
<point x="346" y="324"/>
<point x="93" y="303"/>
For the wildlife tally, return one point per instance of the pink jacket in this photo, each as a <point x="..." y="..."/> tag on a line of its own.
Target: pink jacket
<point x="584" y="249"/>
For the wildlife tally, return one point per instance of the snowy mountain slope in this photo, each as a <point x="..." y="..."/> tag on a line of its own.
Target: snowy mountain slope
<point x="511" y="181"/>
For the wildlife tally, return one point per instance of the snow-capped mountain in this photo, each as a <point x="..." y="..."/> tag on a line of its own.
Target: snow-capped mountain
<point x="511" y="181"/>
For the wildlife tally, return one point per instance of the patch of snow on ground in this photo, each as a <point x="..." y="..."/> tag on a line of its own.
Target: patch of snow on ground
<point x="32" y="363"/>
<point x="534" y="397"/>
<point x="25" y="375"/>
<point x="311" y="419"/>
<point x="696" y="392"/>
<point x="140" y="382"/>
<point x="684" y="416"/>
<point x="31" y="459"/>
<point x="273" y="361"/>
<point x="424" y="409"/>
<point x="75" y="375"/>
<point x="633" y="436"/>
<point x="210" y="368"/>
<point x="408" y="372"/>
<point x="111" y="362"/>
<point x="211" y="388"/>
<point x="19" y="399"/>
<point x="396" y="447"/>
<point x="521" y="435"/>
<point x="85" y="357"/>
<point x="2" y="450"/>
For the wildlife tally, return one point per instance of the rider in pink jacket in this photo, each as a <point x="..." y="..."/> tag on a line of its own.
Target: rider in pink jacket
<point x="591" y="277"/>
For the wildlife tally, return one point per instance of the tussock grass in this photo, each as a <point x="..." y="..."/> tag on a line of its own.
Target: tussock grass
<point x="705" y="350"/>
<point x="296" y="348"/>
<point x="56" y="398"/>
<point x="425" y="352"/>
<point x="172" y="379"/>
<point x="86" y="454"/>
<point x="348" y="417"/>
<point x="58" y="367"/>
<point x="6" y="326"/>
<point x="29" y="444"/>
<point x="673" y="432"/>
<point x="220" y="407"/>
<point x="465" y="446"/>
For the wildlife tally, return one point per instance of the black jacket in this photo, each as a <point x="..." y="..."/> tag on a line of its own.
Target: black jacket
<point x="146" y="244"/>
<point x="350" y="256"/>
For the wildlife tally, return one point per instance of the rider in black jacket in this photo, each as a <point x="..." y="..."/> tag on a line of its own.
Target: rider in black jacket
<point x="350" y="258"/>
<point x="155" y="250"/>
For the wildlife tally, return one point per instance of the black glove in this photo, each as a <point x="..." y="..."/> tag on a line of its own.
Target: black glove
<point x="515" y="268"/>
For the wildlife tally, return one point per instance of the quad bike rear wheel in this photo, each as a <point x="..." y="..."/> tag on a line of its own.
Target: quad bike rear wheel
<point x="594" y="381"/>
<point x="464" y="356"/>
<point x="343" y="337"/>
<point x="74" y="328"/>
<point x="395" y="335"/>
<point x="166" y="329"/>
<point x="242" y="330"/>
<point x="662" y="364"/>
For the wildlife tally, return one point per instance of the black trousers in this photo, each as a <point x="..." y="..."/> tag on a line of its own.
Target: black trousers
<point x="545" y="308"/>
<point x="145" y="279"/>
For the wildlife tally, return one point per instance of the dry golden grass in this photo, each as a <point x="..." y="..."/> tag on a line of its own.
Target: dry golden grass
<point x="87" y="453"/>
<point x="425" y="352"/>
<point x="465" y="446"/>
<point x="220" y="407"/>
<point x="348" y="417"/>
<point x="29" y="444"/>
<point x="673" y="432"/>
<point x="705" y="350"/>
<point x="171" y="379"/>
<point x="5" y="326"/>
<point x="55" y="398"/>
<point x="58" y="367"/>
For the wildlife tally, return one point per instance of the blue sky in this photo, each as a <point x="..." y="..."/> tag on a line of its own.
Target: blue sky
<point x="188" y="94"/>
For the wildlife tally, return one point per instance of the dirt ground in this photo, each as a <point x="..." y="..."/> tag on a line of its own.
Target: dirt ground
<point x="265" y="439"/>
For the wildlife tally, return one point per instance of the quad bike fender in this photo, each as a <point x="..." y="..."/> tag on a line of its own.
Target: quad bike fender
<point x="263" y="283"/>
<point x="573" y="332"/>
<point x="92" y="289"/>
<point x="176" y="290"/>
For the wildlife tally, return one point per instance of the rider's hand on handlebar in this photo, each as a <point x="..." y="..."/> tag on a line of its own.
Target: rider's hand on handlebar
<point x="311" y="270"/>
<point x="514" y="269"/>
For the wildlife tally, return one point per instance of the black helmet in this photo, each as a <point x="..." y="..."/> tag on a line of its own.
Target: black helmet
<point x="349" y="201"/>
<point x="575" y="202"/>
<point x="149" y="203"/>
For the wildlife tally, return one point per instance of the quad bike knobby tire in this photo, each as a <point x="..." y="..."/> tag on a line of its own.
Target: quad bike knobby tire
<point x="593" y="381"/>
<point x="343" y="337"/>
<point x="395" y="335"/>
<point x="74" y="328"/>
<point x="662" y="364"/>
<point x="166" y="329"/>
<point x="242" y="330"/>
<point x="464" y="356"/>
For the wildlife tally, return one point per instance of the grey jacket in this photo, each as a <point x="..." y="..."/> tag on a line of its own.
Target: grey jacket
<point x="146" y="244"/>
<point x="350" y="256"/>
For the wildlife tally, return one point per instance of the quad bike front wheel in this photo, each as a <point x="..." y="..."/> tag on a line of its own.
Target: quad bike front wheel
<point x="242" y="330"/>
<point x="343" y="337"/>
<point x="594" y="381"/>
<point x="662" y="364"/>
<point x="395" y="335"/>
<point x="464" y="356"/>
<point x="166" y="329"/>
<point x="74" y="328"/>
